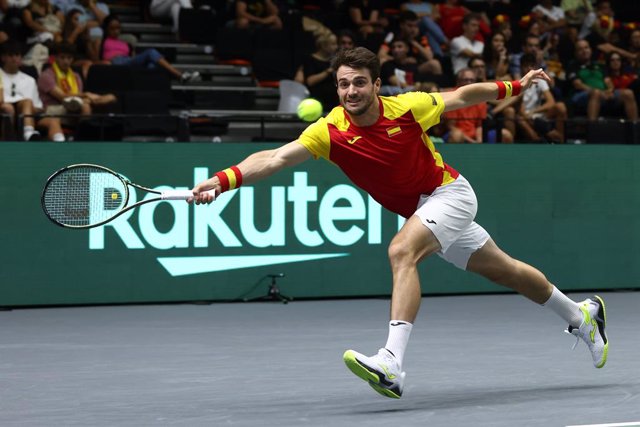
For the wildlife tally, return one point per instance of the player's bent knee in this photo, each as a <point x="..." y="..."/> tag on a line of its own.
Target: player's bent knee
<point x="398" y="252"/>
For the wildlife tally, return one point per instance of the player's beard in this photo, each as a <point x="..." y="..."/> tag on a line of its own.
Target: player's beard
<point x="360" y="109"/>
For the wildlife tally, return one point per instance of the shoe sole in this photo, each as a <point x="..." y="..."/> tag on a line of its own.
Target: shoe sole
<point x="363" y="372"/>
<point x="605" y="352"/>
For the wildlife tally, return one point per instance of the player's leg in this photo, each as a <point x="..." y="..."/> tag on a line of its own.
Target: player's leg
<point x="383" y="371"/>
<point x="436" y="224"/>
<point x="586" y="319"/>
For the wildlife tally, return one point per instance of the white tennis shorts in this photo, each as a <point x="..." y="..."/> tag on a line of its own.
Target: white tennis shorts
<point x="449" y="212"/>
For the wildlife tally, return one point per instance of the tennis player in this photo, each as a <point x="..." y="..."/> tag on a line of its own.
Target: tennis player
<point x="381" y="144"/>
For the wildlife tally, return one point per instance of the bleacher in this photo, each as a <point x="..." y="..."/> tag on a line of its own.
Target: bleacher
<point x="239" y="97"/>
<point x="230" y="103"/>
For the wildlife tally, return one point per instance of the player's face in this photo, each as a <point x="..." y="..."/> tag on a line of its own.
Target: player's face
<point x="358" y="94"/>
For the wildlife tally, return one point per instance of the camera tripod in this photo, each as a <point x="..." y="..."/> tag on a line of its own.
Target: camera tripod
<point x="273" y="293"/>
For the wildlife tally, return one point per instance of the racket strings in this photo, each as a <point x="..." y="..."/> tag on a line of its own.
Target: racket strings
<point x="83" y="195"/>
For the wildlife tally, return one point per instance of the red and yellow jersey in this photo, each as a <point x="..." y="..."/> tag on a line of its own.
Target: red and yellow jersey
<point x="393" y="160"/>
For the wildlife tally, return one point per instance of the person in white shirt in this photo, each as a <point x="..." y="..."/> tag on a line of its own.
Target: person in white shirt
<point x="539" y="112"/>
<point x="549" y="16"/>
<point x="465" y="47"/>
<point x="20" y="92"/>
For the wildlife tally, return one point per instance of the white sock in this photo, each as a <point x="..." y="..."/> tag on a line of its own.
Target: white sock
<point x="399" y="332"/>
<point x="27" y="132"/>
<point x="58" y="137"/>
<point x="564" y="307"/>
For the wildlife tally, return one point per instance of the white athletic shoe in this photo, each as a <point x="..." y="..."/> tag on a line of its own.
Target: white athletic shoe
<point x="592" y="330"/>
<point x="190" y="77"/>
<point x="380" y="371"/>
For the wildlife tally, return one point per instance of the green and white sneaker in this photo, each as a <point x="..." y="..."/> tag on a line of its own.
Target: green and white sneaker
<point x="380" y="371"/>
<point x="592" y="330"/>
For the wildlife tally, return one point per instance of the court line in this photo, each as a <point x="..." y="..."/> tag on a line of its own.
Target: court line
<point x="631" y="424"/>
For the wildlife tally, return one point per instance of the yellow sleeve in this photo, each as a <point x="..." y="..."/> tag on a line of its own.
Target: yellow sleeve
<point x="315" y="138"/>
<point x="426" y="107"/>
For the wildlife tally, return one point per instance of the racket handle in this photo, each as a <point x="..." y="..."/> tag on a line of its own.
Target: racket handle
<point x="181" y="194"/>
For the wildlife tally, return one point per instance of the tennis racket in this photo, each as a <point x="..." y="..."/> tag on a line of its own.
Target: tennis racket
<point x="86" y="196"/>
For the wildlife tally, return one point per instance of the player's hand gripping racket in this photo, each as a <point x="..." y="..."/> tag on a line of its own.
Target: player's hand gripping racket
<point x="86" y="195"/>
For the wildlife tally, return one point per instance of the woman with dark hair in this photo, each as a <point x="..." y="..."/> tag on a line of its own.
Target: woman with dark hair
<point x="76" y="34"/>
<point x="44" y="20"/>
<point x="622" y="75"/>
<point x="496" y="58"/>
<point x="118" y="52"/>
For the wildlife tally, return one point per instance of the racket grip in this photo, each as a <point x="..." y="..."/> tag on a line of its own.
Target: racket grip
<point x="181" y="194"/>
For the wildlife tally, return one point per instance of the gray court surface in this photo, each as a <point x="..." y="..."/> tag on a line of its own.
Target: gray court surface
<point x="490" y="360"/>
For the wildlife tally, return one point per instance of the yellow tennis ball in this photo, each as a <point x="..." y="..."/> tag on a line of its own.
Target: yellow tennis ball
<point x="114" y="196"/>
<point x="309" y="110"/>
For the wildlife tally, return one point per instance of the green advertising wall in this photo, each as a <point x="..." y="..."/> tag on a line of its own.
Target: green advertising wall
<point x="572" y="211"/>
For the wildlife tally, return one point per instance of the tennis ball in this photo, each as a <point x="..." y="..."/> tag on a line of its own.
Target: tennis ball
<point x="309" y="110"/>
<point x="114" y="196"/>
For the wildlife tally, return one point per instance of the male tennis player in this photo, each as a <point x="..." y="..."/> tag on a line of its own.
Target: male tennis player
<point x="381" y="144"/>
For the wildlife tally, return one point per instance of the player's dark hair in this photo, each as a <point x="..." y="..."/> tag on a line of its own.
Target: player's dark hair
<point x="358" y="58"/>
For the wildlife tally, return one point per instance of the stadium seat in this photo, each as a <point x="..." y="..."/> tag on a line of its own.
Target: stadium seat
<point x="198" y="25"/>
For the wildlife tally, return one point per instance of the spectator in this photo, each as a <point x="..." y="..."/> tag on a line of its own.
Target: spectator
<point x="261" y="13"/>
<point x="503" y="109"/>
<point x="419" y="52"/>
<point x="21" y="97"/>
<point x="496" y="58"/>
<point x="366" y="16"/>
<point x="428" y="14"/>
<point x="452" y="15"/>
<point x="593" y="89"/>
<point x="465" y="124"/>
<point x="602" y="32"/>
<point x="531" y="44"/>
<point x="118" y="52"/>
<point x="578" y="15"/>
<point x="550" y="17"/>
<point x="61" y="90"/>
<point x="346" y="39"/>
<point x="504" y="26"/>
<point x="169" y="9"/>
<point x="466" y="46"/>
<point x="316" y="72"/>
<point x="398" y="74"/>
<point x="623" y="76"/>
<point x="634" y="48"/>
<point x="538" y="107"/>
<point x="44" y="21"/>
<point x="11" y="17"/>
<point x="77" y="34"/>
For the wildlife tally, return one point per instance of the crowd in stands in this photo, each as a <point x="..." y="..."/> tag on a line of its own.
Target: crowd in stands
<point x="590" y="48"/>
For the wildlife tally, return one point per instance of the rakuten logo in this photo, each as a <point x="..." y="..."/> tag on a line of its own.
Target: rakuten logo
<point x="193" y="226"/>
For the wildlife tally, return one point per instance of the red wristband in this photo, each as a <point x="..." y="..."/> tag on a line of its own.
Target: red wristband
<point x="224" y="181"/>
<point x="502" y="90"/>
<point x="238" y="176"/>
<point x="517" y="87"/>
<point x="230" y="178"/>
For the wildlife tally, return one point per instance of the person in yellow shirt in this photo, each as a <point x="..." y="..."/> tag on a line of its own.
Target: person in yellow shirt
<point x="61" y="88"/>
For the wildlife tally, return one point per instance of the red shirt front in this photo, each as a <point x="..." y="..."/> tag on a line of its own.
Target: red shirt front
<point x="393" y="160"/>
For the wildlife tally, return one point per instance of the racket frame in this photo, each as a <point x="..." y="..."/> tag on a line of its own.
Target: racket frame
<point x="126" y="183"/>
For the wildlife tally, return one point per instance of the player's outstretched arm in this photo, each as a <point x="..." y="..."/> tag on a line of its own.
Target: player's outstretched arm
<point x="255" y="167"/>
<point x="476" y="93"/>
